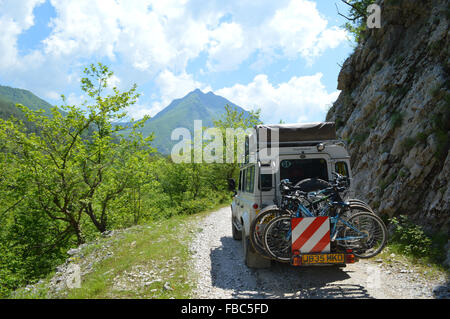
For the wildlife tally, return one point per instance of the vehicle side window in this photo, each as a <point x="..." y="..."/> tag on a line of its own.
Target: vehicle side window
<point x="247" y="149"/>
<point x="240" y="181"/>
<point x="244" y="175"/>
<point x="341" y="168"/>
<point x="250" y="179"/>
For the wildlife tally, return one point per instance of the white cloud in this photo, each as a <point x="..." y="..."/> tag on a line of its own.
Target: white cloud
<point x="296" y="29"/>
<point x="298" y="100"/>
<point x="14" y="19"/>
<point x="83" y="28"/>
<point x="153" y="35"/>
<point x="113" y="81"/>
<point x="228" y="47"/>
<point x="153" y="40"/>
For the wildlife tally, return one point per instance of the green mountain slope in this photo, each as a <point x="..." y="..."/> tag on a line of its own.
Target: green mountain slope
<point x="24" y="97"/>
<point x="196" y="105"/>
<point x="9" y="97"/>
<point x="8" y="109"/>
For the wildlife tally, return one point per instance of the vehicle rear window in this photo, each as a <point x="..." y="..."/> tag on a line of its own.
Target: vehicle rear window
<point x="299" y="169"/>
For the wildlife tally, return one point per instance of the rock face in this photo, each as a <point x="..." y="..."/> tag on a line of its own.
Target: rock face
<point x="394" y="112"/>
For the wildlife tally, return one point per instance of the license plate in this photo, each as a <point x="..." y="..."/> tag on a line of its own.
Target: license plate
<point x="323" y="259"/>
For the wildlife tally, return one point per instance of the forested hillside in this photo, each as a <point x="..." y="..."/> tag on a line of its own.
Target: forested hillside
<point x="24" y="97"/>
<point x="75" y="179"/>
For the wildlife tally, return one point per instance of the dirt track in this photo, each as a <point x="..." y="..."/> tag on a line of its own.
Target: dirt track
<point x="221" y="273"/>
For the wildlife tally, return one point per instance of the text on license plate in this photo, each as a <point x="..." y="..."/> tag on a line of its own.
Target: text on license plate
<point x="323" y="259"/>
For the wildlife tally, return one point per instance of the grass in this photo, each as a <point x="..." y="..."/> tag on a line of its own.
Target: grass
<point x="160" y="248"/>
<point x="423" y="266"/>
<point x="413" y="247"/>
<point x="151" y="247"/>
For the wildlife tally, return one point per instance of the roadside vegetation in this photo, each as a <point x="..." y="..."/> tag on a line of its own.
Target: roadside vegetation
<point x="150" y="261"/>
<point x="411" y="245"/>
<point x="76" y="176"/>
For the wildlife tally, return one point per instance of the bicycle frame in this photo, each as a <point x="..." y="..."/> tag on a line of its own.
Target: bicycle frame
<point x="333" y="221"/>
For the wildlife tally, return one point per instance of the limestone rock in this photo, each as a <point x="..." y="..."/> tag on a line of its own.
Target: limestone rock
<point x="393" y="113"/>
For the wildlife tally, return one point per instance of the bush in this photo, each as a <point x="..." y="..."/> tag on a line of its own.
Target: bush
<point x="413" y="241"/>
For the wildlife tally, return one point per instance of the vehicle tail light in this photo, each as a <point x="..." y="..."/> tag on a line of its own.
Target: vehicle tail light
<point x="255" y="206"/>
<point x="349" y="258"/>
<point x="296" y="258"/>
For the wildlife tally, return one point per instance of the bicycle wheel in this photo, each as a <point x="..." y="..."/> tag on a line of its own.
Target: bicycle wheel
<point x="258" y="226"/>
<point x="277" y="238"/>
<point x="358" y="202"/>
<point x="373" y="230"/>
<point x="355" y="208"/>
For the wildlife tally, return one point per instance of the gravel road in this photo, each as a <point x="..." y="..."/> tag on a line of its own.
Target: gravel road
<point x="218" y="262"/>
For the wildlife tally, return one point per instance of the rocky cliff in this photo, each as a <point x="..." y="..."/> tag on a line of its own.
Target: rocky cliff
<point x="394" y="112"/>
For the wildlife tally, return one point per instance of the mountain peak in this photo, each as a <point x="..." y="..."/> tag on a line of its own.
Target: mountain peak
<point x="182" y="112"/>
<point x="198" y="91"/>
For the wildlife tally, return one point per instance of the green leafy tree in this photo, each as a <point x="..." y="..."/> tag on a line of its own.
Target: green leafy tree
<point x="232" y="118"/>
<point x="356" y="17"/>
<point x="75" y="166"/>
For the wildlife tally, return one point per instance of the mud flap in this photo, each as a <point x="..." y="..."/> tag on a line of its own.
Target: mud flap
<point x="251" y="258"/>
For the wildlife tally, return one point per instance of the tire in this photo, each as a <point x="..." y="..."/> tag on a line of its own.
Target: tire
<point x="312" y="184"/>
<point x="358" y="208"/>
<point x="236" y="233"/>
<point x="251" y="258"/>
<point x="369" y="224"/>
<point x="277" y="243"/>
<point x="257" y="229"/>
<point x="354" y="201"/>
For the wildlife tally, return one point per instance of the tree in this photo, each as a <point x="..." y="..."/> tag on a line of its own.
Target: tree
<point x="233" y="119"/>
<point x="75" y="164"/>
<point x="357" y="17"/>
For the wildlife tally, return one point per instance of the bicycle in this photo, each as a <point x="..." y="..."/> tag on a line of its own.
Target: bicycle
<point x="364" y="232"/>
<point x="317" y="194"/>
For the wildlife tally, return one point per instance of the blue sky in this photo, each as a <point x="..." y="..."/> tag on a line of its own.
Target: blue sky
<point x="280" y="56"/>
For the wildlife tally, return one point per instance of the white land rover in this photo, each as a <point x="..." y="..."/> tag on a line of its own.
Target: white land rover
<point x="304" y="151"/>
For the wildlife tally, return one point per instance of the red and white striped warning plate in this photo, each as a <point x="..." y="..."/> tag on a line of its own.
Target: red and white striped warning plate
<point x="311" y="234"/>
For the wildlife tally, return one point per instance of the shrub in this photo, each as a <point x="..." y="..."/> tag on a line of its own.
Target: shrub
<point x="412" y="239"/>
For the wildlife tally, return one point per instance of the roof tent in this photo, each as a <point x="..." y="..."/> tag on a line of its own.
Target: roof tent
<point x="296" y="134"/>
<point x="321" y="131"/>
